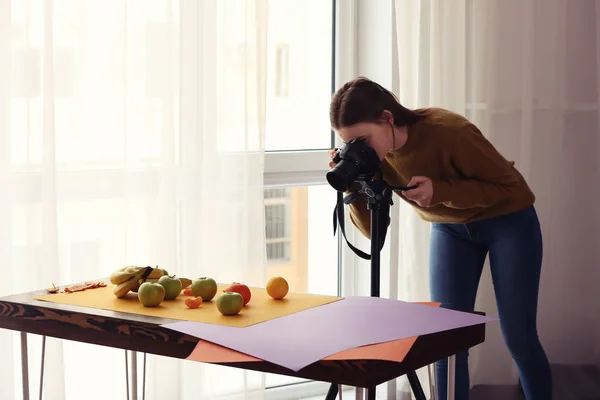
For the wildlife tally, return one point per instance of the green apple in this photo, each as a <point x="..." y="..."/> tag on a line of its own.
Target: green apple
<point x="164" y="271"/>
<point x="172" y="286"/>
<point x="204" y="287"/>
<point x="230" y="303"/>
<point x="151" y="294"/>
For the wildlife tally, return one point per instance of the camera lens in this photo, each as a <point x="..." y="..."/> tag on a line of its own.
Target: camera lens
<point x="358" y="162"/>
<point x="342" y="175"/>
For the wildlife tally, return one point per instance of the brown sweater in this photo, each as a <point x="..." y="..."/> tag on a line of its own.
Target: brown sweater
<point x="471" y="180"/>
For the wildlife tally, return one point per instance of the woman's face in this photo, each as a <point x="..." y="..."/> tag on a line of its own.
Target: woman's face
<point x="377" y="135"/>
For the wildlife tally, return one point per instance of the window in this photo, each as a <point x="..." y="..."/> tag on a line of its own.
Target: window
<point x="299" y="75"/>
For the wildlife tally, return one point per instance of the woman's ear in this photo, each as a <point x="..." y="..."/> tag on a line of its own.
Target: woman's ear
<point x="387" y="117"/>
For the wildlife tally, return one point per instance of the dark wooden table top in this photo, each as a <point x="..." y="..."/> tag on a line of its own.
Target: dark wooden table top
<point x="143" y="334"/>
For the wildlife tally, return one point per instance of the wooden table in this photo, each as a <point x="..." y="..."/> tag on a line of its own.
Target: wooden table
<point x="139" y="333"/>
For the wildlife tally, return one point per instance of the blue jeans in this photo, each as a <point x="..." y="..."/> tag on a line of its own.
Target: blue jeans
<point x="457" y="256"/>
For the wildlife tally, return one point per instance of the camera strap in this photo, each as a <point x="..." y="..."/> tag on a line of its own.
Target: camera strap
<point x="338" y="215"/>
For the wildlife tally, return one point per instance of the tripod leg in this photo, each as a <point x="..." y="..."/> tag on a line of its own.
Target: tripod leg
<point x="332" y="393"/>
<point x="416" y="386"/>
<point x="371" y="393"/>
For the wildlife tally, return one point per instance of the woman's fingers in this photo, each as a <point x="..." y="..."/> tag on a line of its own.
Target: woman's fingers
<point x="423" y="193"/>
<point x="417" y="180"/>
<point x="332" y="153"/>
<point x="413" y="194"/>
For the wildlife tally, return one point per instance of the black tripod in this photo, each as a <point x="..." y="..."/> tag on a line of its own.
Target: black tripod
<point x="379" y="200"/>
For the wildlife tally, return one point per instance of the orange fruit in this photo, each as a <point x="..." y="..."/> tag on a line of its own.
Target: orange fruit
<point x="277" y="287"/>
<point x="188" y="292"/>
<point x="193" y="302"/>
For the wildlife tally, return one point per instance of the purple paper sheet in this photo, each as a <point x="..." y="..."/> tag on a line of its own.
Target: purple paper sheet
<point x="300" y="339"/>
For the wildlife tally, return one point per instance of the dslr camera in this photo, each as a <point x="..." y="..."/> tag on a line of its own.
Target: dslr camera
<point x="356" y="161"/>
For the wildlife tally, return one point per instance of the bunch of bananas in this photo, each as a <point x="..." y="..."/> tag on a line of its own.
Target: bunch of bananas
<point x="129" y="279"/>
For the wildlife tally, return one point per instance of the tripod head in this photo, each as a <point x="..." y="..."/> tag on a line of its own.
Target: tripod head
<point x="379" y="200"/>
<point x="377" y="192"/>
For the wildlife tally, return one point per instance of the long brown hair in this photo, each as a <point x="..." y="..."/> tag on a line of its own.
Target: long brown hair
<point x="362" y="100"/>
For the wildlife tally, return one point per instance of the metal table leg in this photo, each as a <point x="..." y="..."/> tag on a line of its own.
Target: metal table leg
<point x="435" y="383"/>
<point x="134" y="382"/>
<point x="144" y="379"/>
<point x="133" y="377"/>
<point x="127" y="374"/>
<point x="451" y="376"/>
<point x="430" y="378"/>
<point x="360" y="394"/>
<point x="42" y="367"/>
<point x="24" y="366"/>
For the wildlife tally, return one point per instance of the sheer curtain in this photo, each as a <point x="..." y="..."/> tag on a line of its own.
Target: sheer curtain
<point x="528" y="74"/>
<point x="132" y="133"/>
<point x="543" y="94"/>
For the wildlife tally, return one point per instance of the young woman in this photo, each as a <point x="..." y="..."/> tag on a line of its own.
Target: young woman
<point x="478" y="204"/>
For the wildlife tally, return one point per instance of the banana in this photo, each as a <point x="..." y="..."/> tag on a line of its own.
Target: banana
<point x="133" y="270"/>
<point x="118" y="277"/>
<point x="124" y="274"/>
<point x="133" y="282"/>
<point x="121" y="275"/>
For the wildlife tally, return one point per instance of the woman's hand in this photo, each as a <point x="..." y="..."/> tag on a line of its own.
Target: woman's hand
<point x="423" y="193"/>
<point x="332" y="153"/>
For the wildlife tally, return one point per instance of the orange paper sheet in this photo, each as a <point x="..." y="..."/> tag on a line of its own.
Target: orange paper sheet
<point x="391" y="351"/>
<point x="261" y="307"/>
<point x="396" y="350"/>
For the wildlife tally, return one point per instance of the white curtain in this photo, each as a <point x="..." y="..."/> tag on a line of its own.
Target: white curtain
<point x="131" y="133"/>
<point x="528" y="73"/>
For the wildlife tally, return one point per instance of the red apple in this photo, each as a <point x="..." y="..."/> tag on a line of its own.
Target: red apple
<point x="241" y="289"/>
